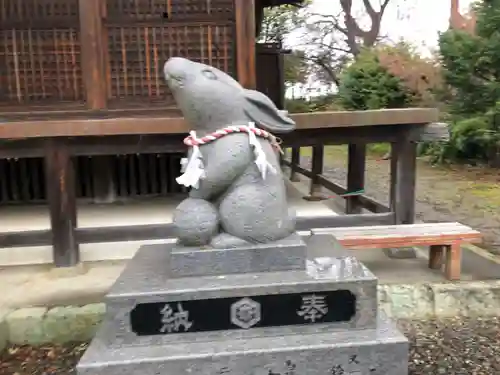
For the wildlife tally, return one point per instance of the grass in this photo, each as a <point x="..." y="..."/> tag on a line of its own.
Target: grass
<point x="488" y="195"/>
<point x="376" y="149"/>
<point x="329" y="151"/>
<point x="379" y="149"/>
<point x="468" y="182"/>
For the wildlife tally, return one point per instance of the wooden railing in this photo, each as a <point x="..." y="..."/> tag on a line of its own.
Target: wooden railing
<point x="355" y="202"/>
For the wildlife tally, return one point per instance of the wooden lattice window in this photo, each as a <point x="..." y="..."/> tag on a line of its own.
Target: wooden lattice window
<point x="170" y="9"/>
<point x="39" y="51"/>
<point x="137" y="56"/>
<point x="139" y="44"/>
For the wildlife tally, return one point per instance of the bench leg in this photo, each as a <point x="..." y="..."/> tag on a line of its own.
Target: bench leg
<point x="436" y="253"/>
<point x="453" y="261"/>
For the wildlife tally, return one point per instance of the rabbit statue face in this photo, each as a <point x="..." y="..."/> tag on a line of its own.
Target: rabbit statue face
<point x="211" y="99"/>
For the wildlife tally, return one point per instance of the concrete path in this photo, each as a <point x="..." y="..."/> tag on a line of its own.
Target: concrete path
<point x="42" y="285"/>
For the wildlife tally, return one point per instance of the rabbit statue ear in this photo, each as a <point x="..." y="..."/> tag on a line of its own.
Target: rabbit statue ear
<point x="261" y="110"/>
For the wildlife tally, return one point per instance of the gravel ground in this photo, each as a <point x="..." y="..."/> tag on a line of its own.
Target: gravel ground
<point x="467" y="194"/>
<point x="464" y="346"/>
<point x="43" y="360"/>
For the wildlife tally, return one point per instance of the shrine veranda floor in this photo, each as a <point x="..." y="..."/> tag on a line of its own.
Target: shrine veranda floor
<point x="133" y="212"/>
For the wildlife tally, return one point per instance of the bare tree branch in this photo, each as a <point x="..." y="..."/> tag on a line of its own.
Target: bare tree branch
<point x="383" y="6"/>
<point x="331" y="41"/>
<point x="369" y="9"/>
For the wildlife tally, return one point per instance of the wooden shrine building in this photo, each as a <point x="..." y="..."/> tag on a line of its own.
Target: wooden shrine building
<point x="85" y="114"/>
<point x="93" y="59"/>
<point x="108" y="55"/>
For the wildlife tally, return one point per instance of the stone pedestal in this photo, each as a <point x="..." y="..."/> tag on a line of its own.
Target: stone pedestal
<point x="296" y="307"/>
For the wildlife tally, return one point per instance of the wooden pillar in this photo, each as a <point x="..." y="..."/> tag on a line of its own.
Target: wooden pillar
<point x="403" y="181"/>
<point x="317" y="168"/>
<point x="392" y="178"/>
<point x="281" y="80"/>
<point x="452" y="267"/>
<point x="295" y="160"/>
<point x="60" y="182"/>
<point x="245" y="42"/>
<point x="93" y="38"/>
<point x="436" y="253"/>
<point x="93" y="51"/>
<point x="356" y="166"/>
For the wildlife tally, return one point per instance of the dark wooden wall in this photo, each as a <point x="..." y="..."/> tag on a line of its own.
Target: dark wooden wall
<point x="120" y="177"/>
<point x="100" y="54"/>
<point x="78" y="56"/>
<point x="62" y="55"/>
<point x="98" y="179"/>
<point x="40" y="55"/>
<point x="269" y="71"/>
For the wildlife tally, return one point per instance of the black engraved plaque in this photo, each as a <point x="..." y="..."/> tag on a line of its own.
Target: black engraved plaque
<point x="242" y="312"/>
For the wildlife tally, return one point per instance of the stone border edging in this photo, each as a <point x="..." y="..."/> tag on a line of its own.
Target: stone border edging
<point x="38" y="325"/>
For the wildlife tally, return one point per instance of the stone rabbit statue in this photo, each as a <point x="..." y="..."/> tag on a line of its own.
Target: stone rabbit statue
<point x="238" y="194"/>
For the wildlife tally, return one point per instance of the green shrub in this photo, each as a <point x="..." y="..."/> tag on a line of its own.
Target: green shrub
<point x="472" y="139"/>
<point x="471" y="69"/>
<point x="366" y="84"/>
<point x="379" y="149"/>
<point x="297" y="106"/>
<point x="320" y="103"/>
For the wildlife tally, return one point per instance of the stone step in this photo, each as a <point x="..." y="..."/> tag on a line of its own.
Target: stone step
<point x="332" y="293"/>
<point x="380" y="351"/>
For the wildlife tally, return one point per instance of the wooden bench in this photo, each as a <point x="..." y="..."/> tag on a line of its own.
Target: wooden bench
<point x="442" y="239"/>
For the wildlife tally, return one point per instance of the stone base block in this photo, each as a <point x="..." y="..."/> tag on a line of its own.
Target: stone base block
<point x="144" y="290"/>
<point x="283" y="255"/>
<point x="381" y="351"/>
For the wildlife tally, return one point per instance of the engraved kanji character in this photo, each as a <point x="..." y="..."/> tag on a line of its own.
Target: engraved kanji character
<point x="172" y="320"/>
<point x="290" y="367"/>
<point x="313" y="307"/>
<point x="354" y="359"/>
<point x="337" y="370"/>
